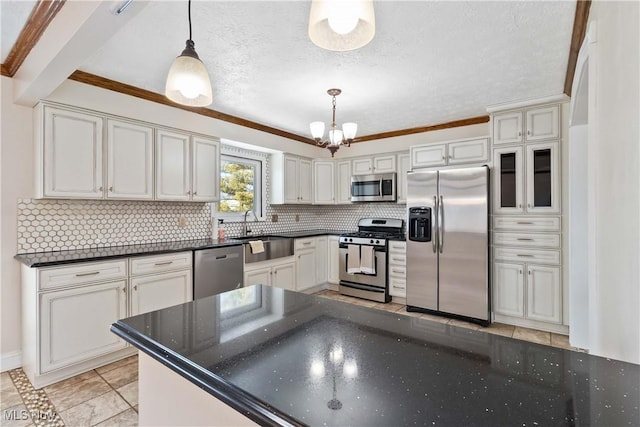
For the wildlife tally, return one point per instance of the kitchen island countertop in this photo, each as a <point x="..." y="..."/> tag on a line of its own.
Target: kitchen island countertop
<point x="286" y="358"/>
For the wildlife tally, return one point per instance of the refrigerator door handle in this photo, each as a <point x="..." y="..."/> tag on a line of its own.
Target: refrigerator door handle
<point x="441" y="224"/>
<point x="434" y="226"/>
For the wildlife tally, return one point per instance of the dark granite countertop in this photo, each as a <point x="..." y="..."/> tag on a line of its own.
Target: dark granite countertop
<point x="46" y="259"/>
<point x="284" y="350"/>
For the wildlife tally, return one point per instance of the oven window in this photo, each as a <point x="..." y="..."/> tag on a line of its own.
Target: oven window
<point x="365" y="188"/>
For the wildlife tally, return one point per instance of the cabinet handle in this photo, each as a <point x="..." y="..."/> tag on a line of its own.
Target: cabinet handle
<point x="529" y="272"/>
<point x="520" y="271"/>
<point x="524" y="223"/>
<point x="525" y="256"/>
<point x="519" y="206"/>
<point x="528" y="205"/>
<point x="398" y="259"/>
<point x="528" y="132"/>
<point x="100" y="189"/>
<point x="397" y="271"/>
<point x="519" y="133"/>
<point x="449" y="156"/>
<point x="124" y="289"/>
<point x="306" y="243"/>
<point x="111" y="189"/>
<point x="189" y="193"/>
<point x="443" y="158"/>
<point x="523" y="239"/>
<point x="195" y="192"/>
<point x="164" y="263"/>
<point x="93" y="273"/>
<point x="135" y="288"/>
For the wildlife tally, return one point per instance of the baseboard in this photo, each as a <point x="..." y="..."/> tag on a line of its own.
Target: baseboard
<point x="11" y="360"/>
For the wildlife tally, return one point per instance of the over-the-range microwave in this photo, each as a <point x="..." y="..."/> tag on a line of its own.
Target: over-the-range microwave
<point x="373" y="188"/>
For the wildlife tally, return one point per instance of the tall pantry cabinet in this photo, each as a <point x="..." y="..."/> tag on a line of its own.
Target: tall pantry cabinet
<point x="526" y="232"/>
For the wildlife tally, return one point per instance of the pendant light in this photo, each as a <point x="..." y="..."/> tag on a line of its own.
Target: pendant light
<point x="337" y="137"/>
<point x="188" y="81"/>
<point x="341" y="25"/>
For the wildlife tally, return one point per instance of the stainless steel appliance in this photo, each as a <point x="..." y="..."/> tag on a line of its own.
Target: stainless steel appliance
<point x="370" y="244"/>
<point x="373" y="188"/>
<point x="448" y="242"/>
<point x="217" y="270"/>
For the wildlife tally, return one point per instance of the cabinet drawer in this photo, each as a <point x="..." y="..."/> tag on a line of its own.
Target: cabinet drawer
<point x="51" y="278"/>
<point x="397" y="259"/>
<point x="160" y="263"/>
<point x="397" y="246"/>
<point x="526" y="223"/>
<point x="527" y="240"/>
<point x="305" y="243"/>
<point x="397" y="286"/>
<point x="537" y="256"/>
<point x="397" y="271"/>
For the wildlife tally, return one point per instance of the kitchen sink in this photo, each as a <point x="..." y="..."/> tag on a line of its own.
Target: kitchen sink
<point x="274" y="247"/>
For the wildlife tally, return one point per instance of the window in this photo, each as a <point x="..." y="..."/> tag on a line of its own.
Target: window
<point x="240" y="186"/>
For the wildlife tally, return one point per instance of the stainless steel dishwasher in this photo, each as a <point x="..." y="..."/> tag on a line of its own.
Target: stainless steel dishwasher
<point x="217" y="270"/>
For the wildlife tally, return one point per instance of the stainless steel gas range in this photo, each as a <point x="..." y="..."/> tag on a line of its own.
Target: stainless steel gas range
<point x="363" y="258"/>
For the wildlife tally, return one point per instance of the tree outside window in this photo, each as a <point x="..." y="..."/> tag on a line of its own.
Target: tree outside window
<point x="239" y="185"/>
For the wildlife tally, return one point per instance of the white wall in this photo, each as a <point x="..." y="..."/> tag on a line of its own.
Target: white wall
<point x="16" y="182"/>
<point x="614" y="165"/>
<point x="16" y="160"/>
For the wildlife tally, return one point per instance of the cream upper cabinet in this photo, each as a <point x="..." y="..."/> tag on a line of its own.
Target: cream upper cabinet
<point x="507" y="128"/>
<point x="508" y="178"/>
<point x="291" y="180"/>
<point x="69" y="153"/>
<point x="324" y="182"/>
<point x="129" y="161"/>
<point x="376" y="164"/>
<point x="535" y="124"/>
<point x="172" y="166"/>
<point x="404" y="166"/>
<point x="465" y="151"/>
<point x="205" y="162"/>
<point x="426" y="156"/>
<point x="343" y="182"/>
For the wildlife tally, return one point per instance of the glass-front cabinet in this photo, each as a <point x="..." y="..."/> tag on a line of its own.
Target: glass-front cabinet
<point x="538" y="172"/>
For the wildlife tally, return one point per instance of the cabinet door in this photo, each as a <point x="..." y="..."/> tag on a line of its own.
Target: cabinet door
<point x="260" y="276"/>
<point x="284" y="276"/>
<point x="323" y="182"/>
<point x="305" y="181"/>
<point x="474" y="151"/>
<point x="74" y="323"/>
<point x="543" y="181"/>
<point x="205" y="161"/>
<point x="508" y="297"/>
<point x="343" y="182"/>
<point x="404" y="166"/>
<point x="172" y="166"/>
<point x="322" y="269"/>
<point x="384" y="164"/>
<point x="507" y="128"/>
<point x="362" y="166"/>
<point x="334" y="259"/>
<point x="428" y="156"/>
<point x="129" y="161"/>
<point x="72" y="154"/>
<point x="291" y="187"/>
<point x="306" y="267"/>
<point x="149" y="293"/>
<point x="507" y="170"/>
<point x="543" y="293"/>
<point x="543" y="123"/>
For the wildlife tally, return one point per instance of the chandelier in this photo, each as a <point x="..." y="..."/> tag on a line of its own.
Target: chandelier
<point x="188" y="81"/>
<point x="341" y="25"/>
<point x="337" y="137"/>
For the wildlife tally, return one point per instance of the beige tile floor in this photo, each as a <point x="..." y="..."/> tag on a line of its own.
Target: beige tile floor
<point x="108" y="396"/>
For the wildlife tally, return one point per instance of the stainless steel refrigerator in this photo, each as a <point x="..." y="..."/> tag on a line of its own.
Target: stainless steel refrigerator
<point x="448" y="242"/>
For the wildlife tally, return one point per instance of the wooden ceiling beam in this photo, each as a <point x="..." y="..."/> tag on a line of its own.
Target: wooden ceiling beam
<point x="579" y="31"/>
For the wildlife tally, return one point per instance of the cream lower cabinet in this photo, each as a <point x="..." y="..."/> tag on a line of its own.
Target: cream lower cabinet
<point x="305" y="252"/>
<point x="334" y="260"/>
<point x="397" y="269"/>
<point x="322" y="267"/>
<point x="74" y="323"/>
<point x="280" y="273"/>
<point x="67" y="310"/>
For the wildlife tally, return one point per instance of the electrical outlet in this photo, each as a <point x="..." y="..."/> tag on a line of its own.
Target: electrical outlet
<point x="274" y="218"/>
<point x="297" y="218"/>
<point x="182" y="221"/>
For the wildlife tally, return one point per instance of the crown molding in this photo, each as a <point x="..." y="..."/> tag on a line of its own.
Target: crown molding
<point x="403" y="132"/>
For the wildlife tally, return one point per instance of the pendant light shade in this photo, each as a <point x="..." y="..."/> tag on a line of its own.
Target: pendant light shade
<point x="341" y="25"/>
<point x="188" y="81"/>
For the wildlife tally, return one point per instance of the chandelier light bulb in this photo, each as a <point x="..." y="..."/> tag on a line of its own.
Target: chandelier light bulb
<point x="335" y="136"/>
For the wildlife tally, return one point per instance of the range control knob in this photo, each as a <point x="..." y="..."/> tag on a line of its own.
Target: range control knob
<point x="351" y="240"/>
<point x="378" y="241"/>
<point x="370" y="241"/>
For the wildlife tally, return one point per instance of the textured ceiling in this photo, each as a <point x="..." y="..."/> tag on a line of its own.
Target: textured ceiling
<point x="13" y="15"/>
<point x="429" y="62"/>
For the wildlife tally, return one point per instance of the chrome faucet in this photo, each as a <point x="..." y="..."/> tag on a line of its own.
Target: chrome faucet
<point x="245" y="230"/>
